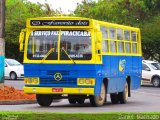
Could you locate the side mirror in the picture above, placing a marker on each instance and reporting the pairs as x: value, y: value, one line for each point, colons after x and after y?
x: 21, y: 40
x: 147, y: 69
x: 21, y: 47
x: 6, y: 65
x: 21, y: 37
x: 99, y: 36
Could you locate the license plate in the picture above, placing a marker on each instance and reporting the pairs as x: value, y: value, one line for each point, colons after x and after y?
x: 57, y: 89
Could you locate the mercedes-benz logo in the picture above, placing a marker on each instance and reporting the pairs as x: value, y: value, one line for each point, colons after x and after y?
x: 58, y: 76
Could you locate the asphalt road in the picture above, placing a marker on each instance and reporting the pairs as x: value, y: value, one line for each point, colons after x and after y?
x: 145, y: 99
x: 18, y: 84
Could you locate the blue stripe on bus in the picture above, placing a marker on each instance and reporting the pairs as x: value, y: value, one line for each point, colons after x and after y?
x: 70, y: 72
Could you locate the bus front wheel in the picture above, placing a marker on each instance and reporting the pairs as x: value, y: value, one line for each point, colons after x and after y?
x: 98, y: 101
x: 123, y: 96
x: 44, y: 100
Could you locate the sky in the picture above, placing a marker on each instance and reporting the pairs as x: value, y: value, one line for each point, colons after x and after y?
x: 65, y: 5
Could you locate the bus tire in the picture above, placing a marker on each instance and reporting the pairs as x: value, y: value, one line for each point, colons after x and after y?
x: 44, y: 100
x: 72, y: 100
x: 98, y: 101
x: 80, y: 101
x: 123, y: 96
x: 114, y: 98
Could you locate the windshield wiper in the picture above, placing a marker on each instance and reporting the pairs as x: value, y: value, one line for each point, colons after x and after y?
x: 49, y: 52
x: 68, y: 55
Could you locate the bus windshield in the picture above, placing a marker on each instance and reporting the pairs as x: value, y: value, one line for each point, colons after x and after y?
x: 74, y: 44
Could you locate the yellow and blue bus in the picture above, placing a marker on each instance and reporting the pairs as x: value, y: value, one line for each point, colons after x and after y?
x: 79, y: 58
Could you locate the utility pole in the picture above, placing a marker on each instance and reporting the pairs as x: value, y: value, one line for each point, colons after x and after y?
x: 2, y: 42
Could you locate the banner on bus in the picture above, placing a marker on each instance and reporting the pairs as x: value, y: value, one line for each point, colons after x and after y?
x: 59, y: 22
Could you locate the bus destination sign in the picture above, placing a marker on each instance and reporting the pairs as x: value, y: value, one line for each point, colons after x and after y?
x: 59, y: 22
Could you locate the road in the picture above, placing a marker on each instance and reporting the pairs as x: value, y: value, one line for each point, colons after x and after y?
x: 18, y: 84
x: 146, y: 99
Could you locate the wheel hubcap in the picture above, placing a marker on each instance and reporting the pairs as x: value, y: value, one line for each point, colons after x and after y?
x: 100, y: 99
x: 12, y: 76
x: 156, y: 82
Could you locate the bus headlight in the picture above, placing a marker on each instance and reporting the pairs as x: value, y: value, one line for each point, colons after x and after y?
x: 86, y: 81
x: 31, y: 81
x: 81, y: 81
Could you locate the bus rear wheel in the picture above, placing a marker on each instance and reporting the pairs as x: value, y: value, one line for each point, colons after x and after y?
x: 44, y: 100
x: 114, y: 98
x: 123, y: 96
x: 80, y: 101
x: 72, y: 100
x: 98, y: 101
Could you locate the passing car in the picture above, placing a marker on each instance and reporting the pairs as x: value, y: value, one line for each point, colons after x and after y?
x: 151, y: 72
x: 13, y: 69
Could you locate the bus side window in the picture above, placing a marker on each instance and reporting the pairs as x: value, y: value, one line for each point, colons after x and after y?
x: 128, y: 47
x: 121, y: 47
x: 127, y: 43
x: 112, y: 33
x: 105, y: 46
x: 134, y: 42
x: 127, y: 35
x: 138, y: 44
x: 104, y: 32
x: 134, y: 36
x: 134, y: 47
x: 119, y: 34
x: 113, y: 46
x: 120, y: 37
x: 112, y: 37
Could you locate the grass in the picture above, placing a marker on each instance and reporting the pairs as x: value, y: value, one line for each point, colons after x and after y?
x: 77, y: 116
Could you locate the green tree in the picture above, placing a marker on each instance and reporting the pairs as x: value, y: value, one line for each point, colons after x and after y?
x: 119, y: 11
x: 138, y: 13
x: 17, y: 11
x: 151, y: 39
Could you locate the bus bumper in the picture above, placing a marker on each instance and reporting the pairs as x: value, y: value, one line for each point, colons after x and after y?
x: 58, y: 90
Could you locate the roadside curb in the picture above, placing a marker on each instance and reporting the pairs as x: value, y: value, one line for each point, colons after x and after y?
x: 17, y: 102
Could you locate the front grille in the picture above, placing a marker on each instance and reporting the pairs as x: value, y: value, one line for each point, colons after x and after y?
x: 52, y: 72
x: 68, y: 78
x: 64, y: 81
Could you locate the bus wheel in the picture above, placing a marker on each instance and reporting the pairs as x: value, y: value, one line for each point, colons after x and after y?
x: 123, y: 96
x: 80, y: 100
x: 114, y: 98
x: 99, y: 100
x: 72, y: 100
x: 44, y: 100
